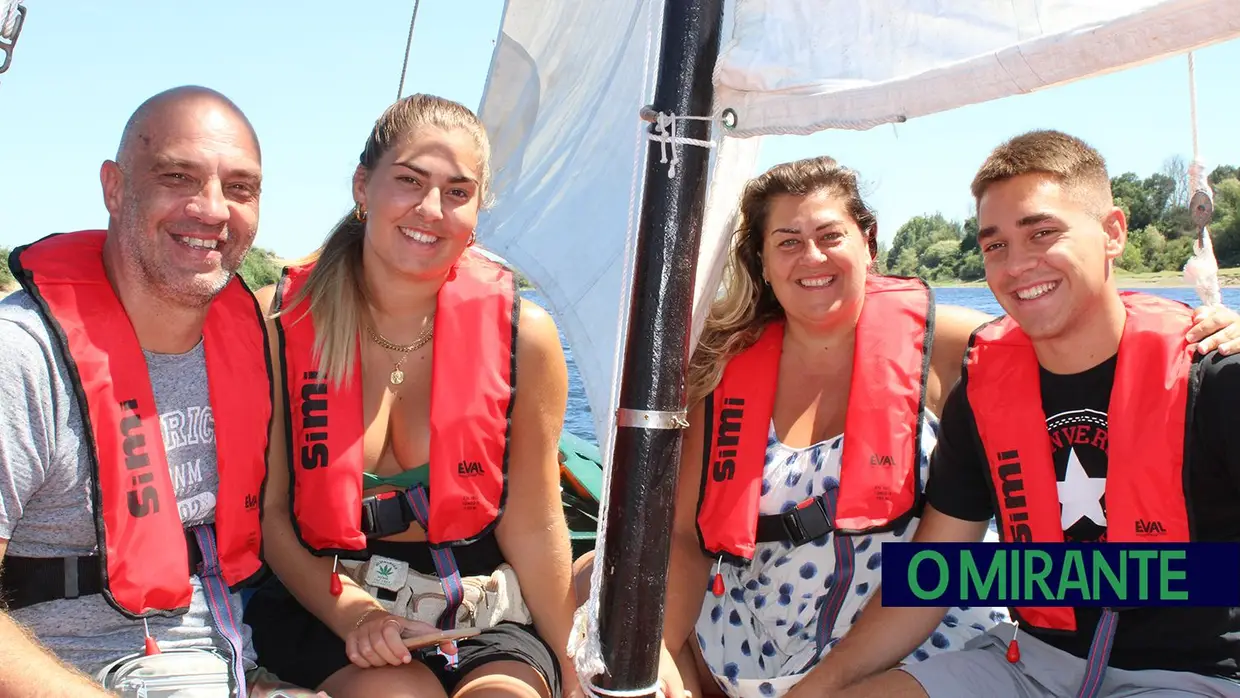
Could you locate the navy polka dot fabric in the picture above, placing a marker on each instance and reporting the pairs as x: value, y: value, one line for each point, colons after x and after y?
x: 766, y: 629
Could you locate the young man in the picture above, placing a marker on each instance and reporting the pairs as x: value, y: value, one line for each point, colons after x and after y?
x: 126, y: 525
x: 1083, y: 415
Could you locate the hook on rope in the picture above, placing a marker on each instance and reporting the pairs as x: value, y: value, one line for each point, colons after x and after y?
x: 665, y: 132
x: 1201, y: 269
x: 10, y: 29
x: 1201, y: 211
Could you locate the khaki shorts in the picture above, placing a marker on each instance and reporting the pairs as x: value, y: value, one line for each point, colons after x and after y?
x: 191, y: 674
x: 981, y: 668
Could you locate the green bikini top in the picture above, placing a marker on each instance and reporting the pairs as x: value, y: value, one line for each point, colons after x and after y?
x: 405, y: 479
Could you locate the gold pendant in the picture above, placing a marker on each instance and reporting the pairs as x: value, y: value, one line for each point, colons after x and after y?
x: 398, y: 377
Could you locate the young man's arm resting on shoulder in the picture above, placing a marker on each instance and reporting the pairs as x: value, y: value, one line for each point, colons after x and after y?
x: 958, y: 509
x: 27, y: 670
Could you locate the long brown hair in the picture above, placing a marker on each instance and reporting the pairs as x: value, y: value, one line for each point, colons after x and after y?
x: 747, y: 303
x: 335, y: 289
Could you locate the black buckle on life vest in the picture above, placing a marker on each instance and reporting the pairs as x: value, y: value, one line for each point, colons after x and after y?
x: 808, y: 522
x: 386, y: 514
x: 27, y: 581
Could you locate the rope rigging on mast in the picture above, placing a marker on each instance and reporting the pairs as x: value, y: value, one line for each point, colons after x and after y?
x: 408, y: 44
x: 1202, y: 268
x: 12, y: 17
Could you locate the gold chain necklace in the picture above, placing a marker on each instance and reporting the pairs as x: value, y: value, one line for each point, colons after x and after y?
x: 398, y: 376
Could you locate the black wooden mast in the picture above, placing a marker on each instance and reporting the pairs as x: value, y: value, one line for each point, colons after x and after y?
x: 652, y: 396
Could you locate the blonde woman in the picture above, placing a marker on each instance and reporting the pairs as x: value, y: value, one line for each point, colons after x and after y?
x: 414, y: 486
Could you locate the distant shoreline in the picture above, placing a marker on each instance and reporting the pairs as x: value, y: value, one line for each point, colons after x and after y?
x: 1228, y: 278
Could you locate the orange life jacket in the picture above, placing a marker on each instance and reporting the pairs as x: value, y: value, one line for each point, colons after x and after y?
x: 1146, y: 422
x: 473, y: 383
x: 142, y: 543
x: 879, y: 471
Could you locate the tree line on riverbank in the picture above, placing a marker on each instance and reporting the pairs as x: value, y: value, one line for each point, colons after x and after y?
x: 1160, y: 233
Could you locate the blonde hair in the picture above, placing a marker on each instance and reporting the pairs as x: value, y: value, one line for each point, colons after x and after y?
x: 747, y: 304
x: 334, y: 288
x: 1069, y: 160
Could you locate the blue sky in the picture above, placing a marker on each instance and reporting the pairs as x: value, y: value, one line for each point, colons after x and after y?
x: 314, y: 78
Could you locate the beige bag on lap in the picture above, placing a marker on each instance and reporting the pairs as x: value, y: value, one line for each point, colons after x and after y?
x: 488, y: 600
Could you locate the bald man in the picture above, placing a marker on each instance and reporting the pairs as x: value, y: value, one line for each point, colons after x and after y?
x: 135, y: 398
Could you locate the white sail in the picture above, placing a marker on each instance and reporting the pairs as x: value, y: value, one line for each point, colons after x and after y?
x: 561, y: 102
x: 568, y: 79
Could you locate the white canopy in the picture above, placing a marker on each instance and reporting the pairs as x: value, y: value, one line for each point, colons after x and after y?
x: 798, y: 67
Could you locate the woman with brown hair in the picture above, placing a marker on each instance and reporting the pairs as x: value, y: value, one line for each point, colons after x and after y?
x: 814, y: 392
x: 413, y: 496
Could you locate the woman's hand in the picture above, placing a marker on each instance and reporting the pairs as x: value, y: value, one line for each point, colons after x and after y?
x: 671, y: 685
x: 379, y: 639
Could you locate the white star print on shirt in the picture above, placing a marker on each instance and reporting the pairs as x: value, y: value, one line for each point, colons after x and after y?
x: 1080, y: 494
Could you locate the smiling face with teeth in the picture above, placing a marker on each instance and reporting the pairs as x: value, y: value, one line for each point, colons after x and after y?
x: 1048, y: 254
x: 815, y: 257
x: 183, y: 197
x: 421, y: 201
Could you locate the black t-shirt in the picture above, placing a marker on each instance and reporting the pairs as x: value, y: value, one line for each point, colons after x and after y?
x: 1201, y: 640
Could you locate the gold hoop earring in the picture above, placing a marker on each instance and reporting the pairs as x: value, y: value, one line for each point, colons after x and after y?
x: 359, y: 213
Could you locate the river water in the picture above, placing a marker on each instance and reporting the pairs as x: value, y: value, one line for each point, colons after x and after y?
x: 578, y: 420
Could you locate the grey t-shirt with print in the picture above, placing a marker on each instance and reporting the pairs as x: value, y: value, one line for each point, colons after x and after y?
x: 45, y: 503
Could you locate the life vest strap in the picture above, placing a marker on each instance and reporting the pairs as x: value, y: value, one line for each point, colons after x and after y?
x: 1099, y: 654
x: 808, y: 522
x: 27, y: 581
x: 845, y: 568
x: 445, y: 561
x: 216, y: 591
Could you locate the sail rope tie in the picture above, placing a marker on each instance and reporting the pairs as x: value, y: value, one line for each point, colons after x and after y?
x: 666, y: 133
x: 1201, y: 269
